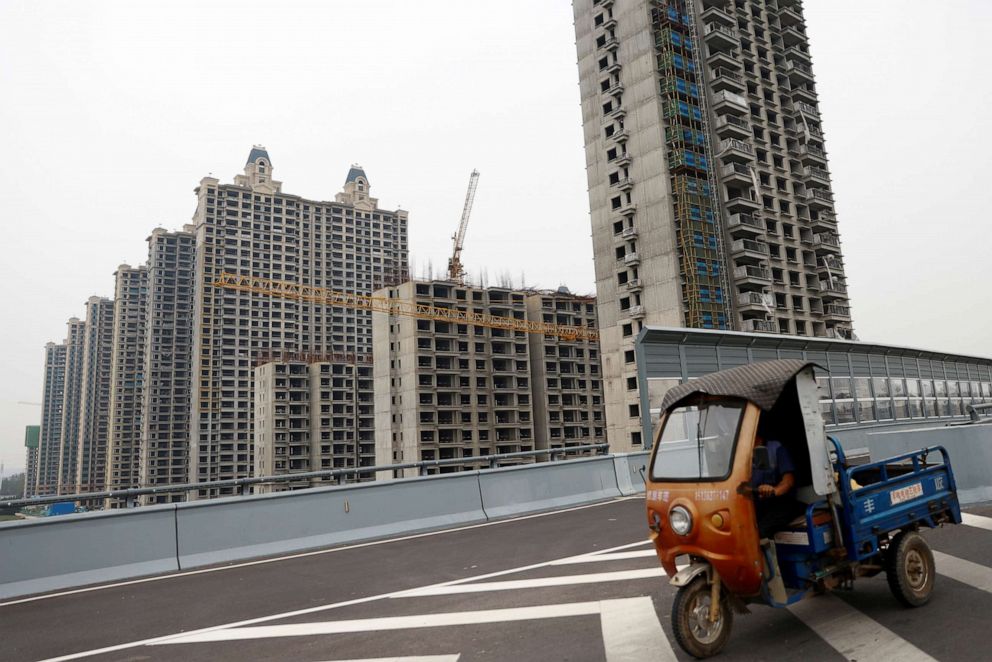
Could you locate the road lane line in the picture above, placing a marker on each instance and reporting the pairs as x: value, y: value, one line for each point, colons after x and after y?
x: 309, y: 610
x: 966, y: 572
x: 417, y: 658
x: 393, y: 623
x: 852, y: 634
x: 597, y: 558
x: 538, y: 582
x: 977, y: 521
x: 632, y: 632
x: 246, y: 564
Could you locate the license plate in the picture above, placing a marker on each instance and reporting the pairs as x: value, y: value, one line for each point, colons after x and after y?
x: 906, y: 493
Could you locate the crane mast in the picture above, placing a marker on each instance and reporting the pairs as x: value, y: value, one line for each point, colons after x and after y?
x: 456, y: 271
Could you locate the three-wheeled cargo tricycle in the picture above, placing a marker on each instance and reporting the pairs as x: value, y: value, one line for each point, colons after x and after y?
x: 734, y: 443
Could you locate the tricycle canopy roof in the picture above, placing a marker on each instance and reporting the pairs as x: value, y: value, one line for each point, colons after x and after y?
x: 761, y: 383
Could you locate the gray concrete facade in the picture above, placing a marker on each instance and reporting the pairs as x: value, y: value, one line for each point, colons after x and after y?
x: 74, y: 350
x: 46, y: 480
x: 94, y: 403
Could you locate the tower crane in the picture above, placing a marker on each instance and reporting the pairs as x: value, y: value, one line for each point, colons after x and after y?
x: 327, y: 297
x: 456, y: 271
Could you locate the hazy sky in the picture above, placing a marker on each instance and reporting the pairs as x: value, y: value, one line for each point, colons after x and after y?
x: 113, y: 111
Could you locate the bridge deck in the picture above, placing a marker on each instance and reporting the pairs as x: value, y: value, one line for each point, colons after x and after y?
x: 579, y: 584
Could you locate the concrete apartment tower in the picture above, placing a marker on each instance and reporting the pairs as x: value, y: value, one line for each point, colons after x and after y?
x: 708, y: 184
x: 49, y: 446
x: 74, y: 350
x: 164, y: 451
x: 313, y: 417
x: 445, y: 390
x: 127, y: 376
x: 253, y: 228
x: 94, y: 402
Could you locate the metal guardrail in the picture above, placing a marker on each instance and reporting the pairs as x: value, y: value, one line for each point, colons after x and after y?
x: 243, y: 483
x: 973, y: 412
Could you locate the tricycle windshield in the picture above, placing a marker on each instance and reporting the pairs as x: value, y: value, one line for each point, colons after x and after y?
x: 697, y: 442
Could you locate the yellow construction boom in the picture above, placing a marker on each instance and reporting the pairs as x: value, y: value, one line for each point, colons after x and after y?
x: 327, y: 297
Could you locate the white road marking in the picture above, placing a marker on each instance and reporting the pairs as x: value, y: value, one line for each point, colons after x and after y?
x: 245, y: 564
x: 393, y: 623
x: 630, y: 626
x: 416, y: 658
x: 977, y: 521
x: 618, y: 556
x: 963, y: 571
x: 632, y: 633
x: 310, y: 610
x: 852, y: 634
x: 538, y: 582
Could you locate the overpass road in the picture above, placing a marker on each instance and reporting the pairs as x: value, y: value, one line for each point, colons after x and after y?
x: 579, y: 584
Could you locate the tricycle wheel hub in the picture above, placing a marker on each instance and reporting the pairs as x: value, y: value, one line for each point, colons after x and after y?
x: 703, y: 630
x: 917, y: 572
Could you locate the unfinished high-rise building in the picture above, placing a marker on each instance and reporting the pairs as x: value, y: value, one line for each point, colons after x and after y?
x: 449, y: 390
x: 50, y: 441
x: 708, y: 183
x: 168, y: 346
x: 74, y: 344
x: 313, y: 417
x: 127, y: 377
x: 253, y: 228
x: 94, y: 402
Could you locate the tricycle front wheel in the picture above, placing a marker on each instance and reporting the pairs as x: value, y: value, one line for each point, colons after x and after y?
x: 910, y: 569
x: 694, y: 632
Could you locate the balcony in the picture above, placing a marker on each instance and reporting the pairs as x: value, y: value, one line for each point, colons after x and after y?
x: 804, y: 93
x: 826, y: 243
x: 816, y: 176
x: 717, y: 16
x: 730, y: 102
x: 798, y: 72
x: 636, y: 312
x: 616, y: 89
x: 624, y: 184
x: 751, y: 302
x: 745, y: 224
x: 752, y: 274
x: 608, y: 24
x: 728, y: 125
x: 749, y: 249
x: 824, y: 223
x: 622, y: 159
x: 759, y: 326
x: 629, y: 233
x: 837, y: 310
x: 726, y: 60
x: 721, y: 36
x: 741, y: 204
x: 619, y: 137
x: 807, y: 109
x: 792, y: 37
x: 832, y: 290
x: 736, y: 173
x: 819, y: 198
x: 794, y: 53
x: 629, y: 260
x: 611, y: 44
x: 732, y: 149
x: 633, y: 285
x: 612, y: 68
x: 727, y: 79
x: 811, y: 153
x: 626, y: 210
x: 787, y: 16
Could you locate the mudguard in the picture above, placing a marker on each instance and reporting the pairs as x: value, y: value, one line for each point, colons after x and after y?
x: 686, y: 575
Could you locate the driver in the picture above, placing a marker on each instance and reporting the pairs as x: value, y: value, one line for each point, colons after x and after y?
x: 774, y: 487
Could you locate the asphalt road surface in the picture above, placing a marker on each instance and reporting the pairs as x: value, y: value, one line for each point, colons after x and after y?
x: 580, y: 584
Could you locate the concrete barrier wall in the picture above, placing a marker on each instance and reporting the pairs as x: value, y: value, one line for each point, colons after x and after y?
x: 631, y: 469
x: 73, y: 550
x: 234, y: 528
x: 534, y: 487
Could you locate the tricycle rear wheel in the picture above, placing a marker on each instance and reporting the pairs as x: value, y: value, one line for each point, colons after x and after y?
x: 910, y: 569
x: 691, y: 620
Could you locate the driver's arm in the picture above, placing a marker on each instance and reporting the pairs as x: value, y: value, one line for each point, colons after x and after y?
x: 787, y: 483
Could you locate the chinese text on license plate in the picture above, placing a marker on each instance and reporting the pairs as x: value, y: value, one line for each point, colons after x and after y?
x: 906, y: 493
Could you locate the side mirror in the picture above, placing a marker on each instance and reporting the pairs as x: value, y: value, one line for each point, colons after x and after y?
x: 761, y: 459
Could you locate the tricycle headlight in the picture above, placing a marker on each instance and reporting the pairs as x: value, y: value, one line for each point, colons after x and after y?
x: 680, y: 520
